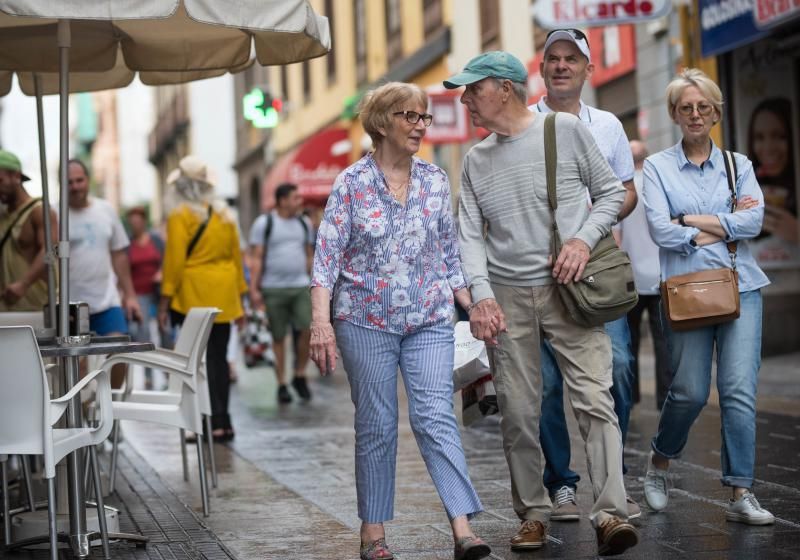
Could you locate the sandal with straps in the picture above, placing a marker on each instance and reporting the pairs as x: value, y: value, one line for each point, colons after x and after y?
x: 376, y: 550
x: 470, y: 548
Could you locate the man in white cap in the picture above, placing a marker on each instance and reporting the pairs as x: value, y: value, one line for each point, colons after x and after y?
x: 566, y: 66
x: 22, y: 264
x: 505, y: 226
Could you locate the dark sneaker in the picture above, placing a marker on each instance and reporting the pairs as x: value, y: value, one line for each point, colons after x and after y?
x: 299, y: 384
x: 615, y: 536
x: 531, y: 534
x: 565, y: 507
x: 283, y: 395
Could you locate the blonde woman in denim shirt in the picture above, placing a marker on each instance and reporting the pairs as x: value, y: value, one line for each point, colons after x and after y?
x: 387, y: 255
x: 688, y: 206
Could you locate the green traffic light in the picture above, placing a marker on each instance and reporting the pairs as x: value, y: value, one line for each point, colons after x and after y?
x: 257, y: 107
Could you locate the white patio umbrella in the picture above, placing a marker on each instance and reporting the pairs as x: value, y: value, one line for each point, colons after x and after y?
x: 162, y: 40
x: 166, y: 41
x: 47, y: 83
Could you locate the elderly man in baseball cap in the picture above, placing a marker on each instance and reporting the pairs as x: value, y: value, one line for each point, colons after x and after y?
x: 512, y: 279
x: 22, y: 247
x: 566, y: 66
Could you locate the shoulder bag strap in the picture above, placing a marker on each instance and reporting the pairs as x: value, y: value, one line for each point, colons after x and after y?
x: 15, y: 221
x: 732, y: 174
x: 199, y: 233
x: 550, y: 164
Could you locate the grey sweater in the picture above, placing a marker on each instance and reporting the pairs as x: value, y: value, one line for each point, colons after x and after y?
x: 504, y: 190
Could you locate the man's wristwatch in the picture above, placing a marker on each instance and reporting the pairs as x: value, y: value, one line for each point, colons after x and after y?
x: 682, y: 219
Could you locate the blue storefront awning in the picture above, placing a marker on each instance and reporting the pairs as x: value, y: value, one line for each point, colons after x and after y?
x: 726, y: 24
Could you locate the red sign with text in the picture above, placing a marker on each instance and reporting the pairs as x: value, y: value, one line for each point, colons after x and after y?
x: 586, y: 13
x: 767, y: 13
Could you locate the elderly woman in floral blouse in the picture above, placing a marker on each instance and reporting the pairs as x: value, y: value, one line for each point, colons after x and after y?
x: 387, y: 254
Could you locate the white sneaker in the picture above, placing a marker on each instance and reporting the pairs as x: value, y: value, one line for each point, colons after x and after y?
x: 747, y: 510
x: 656, y: 488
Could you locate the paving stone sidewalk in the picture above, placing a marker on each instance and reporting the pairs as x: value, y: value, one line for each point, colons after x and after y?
x: 286, y: 488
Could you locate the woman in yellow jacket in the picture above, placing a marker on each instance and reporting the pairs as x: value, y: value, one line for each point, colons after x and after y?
x: 202, y: 267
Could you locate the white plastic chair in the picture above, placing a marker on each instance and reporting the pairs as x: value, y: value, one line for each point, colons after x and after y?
x: 34, y: 319
x: 27, y: 417
x: 186, y: 399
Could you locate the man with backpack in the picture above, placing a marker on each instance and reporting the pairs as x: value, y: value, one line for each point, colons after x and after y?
x: 281, y: 245
x: 22, y: 247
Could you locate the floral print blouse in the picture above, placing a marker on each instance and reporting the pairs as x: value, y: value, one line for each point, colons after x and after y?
x: 389, y: 267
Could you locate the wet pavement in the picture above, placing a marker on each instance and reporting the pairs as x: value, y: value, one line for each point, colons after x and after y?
x: 287, y: 490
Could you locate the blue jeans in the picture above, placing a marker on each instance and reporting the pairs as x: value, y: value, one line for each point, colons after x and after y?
x: 553, y: 433
x: 738, y: 354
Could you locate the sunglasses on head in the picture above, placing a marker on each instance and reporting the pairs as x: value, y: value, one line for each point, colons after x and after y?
x: 577, y: 34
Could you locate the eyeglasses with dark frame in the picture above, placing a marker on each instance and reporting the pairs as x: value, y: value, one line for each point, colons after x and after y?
x: 703, y: 109
x: 577, y: 34
x: 412, y: 117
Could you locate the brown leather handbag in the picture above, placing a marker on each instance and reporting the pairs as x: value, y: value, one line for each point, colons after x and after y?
x: 708, y: 297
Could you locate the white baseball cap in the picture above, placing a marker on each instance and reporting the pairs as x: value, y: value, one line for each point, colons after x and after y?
x: 575, y: 36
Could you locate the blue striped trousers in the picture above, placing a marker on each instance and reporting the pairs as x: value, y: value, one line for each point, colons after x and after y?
x: 425, y: 357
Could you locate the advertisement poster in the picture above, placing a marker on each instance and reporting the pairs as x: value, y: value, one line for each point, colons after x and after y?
x: 766, y: 109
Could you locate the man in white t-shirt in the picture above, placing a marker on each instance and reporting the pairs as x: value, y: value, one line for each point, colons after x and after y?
x: 636, y: 241
x: 565, y: 68
x: 281, y: 245
x: 98, y: 265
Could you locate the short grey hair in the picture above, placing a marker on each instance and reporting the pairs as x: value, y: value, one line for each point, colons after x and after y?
x: 520, y: 89
x: 693, y: 77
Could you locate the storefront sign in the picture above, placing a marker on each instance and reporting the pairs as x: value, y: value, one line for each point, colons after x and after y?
x: 589, y: 13
x: 726, y: 24
x: 768, y: 13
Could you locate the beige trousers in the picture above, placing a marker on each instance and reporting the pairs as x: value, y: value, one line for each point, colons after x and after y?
x: 584, y: 357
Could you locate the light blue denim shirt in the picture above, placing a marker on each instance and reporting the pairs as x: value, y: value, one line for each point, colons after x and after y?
x: 674, y: 185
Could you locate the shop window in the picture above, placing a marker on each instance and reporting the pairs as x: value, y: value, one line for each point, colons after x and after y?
x: 490, y: 24
x: 432, y: 16
x: 394, y: 35
x: 360, y: 26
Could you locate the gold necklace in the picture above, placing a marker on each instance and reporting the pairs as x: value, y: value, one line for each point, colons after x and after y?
x: 401, y: 191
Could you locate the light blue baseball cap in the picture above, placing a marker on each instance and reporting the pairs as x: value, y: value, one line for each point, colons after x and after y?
x: 492, y: 64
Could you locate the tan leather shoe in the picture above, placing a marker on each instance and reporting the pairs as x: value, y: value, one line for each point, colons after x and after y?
x: 615, y: 536
x: 531, y: 534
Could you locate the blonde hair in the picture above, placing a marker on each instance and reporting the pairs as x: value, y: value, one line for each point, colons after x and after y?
x: 377, y: 106
x: 693, y: 77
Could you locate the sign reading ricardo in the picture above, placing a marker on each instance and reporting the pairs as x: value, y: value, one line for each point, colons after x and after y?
x: 588, y: 13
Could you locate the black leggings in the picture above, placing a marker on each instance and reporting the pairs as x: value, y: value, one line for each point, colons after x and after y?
x: 219, y: 381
